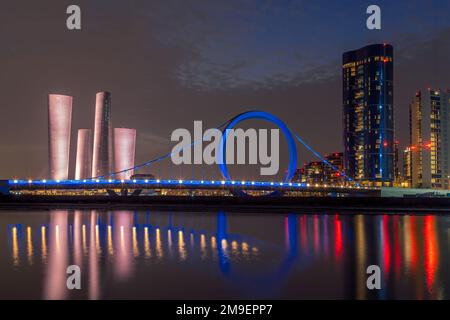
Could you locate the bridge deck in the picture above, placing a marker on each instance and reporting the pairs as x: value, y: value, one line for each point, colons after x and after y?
x: 31, y: 185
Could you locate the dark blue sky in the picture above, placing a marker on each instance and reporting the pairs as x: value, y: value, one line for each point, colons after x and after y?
x: 168, y: 63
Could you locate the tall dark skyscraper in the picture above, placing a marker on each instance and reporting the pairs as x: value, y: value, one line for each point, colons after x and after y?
x: 368, y: 117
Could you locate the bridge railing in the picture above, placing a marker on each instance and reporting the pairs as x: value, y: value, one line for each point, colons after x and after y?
x: 97, y: 184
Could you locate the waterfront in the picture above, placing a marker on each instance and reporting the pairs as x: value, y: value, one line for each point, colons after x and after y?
x: 222, y: 255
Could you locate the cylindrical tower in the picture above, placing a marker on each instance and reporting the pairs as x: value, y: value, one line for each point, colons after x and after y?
x: 59, y: 126
x: 84, y: 154
x: 124, y: 151
x: 102, y: 155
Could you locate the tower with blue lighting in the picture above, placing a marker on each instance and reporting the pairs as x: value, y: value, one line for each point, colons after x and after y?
x: 368, y: 114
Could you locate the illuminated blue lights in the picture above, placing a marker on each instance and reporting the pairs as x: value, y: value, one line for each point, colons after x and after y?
x: 112, y: 183
x: 221, y: 155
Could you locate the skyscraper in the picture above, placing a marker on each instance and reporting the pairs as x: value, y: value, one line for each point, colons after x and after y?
x: 102, y: 155
x: 84, y: 154
x: 59, y: 126
x: 124, y: 151
x: 407, y: 168
x: 415, y: 142
x: 368, y: 114
x: 333, y: 177
x: 429, y: 139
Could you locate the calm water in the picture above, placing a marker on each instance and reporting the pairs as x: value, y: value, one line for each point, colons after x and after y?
x: 163, y: 255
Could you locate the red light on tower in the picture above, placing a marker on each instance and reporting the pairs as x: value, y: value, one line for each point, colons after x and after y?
x: 385, y: 144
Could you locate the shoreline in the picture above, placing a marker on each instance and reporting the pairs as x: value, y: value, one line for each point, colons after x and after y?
x: 242, y: 204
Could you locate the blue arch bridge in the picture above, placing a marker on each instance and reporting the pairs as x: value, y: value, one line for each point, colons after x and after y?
x: 286, y: 186
x: 135, y: 187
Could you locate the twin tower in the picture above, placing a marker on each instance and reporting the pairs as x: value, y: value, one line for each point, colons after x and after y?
x: 98, y: 154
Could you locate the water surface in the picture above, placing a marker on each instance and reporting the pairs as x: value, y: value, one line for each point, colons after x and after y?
x: 222, y: 255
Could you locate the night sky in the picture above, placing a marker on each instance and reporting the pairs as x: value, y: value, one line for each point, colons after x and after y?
x: 168, y: 63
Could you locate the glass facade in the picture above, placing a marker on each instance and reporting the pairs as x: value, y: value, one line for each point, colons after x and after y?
x: 368, y: 115
x: 429, y: 139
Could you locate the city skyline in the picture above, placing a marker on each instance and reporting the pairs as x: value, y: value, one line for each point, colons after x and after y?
x: 199, y: 151
x: 113, y: 149
x: 368, y: 114
x: 152, y: 83
x: 371, y: 150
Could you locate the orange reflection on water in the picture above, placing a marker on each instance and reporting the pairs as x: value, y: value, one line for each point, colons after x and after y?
x: 146, y: 243
x: 203, y: 246
x: 181, y: 246
x: 159, y: 252
x: 15, y: 247
x: 110, y: 242
x: 135, y: 243
x: 29, y: 246
x: 43, y: 245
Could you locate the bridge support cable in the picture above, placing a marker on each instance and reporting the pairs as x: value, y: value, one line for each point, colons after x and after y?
x: 158, y: 159
x: 190, y: 145
x: 318, y: 155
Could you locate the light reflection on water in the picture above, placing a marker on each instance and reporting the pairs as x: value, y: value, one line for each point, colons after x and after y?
x: 128, y: 254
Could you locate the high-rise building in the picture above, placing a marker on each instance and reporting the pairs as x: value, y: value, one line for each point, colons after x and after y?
x: 323, y: 173
x: 124, y: 151
x: 84, y: 154
x: 415, y: 142
x: 429, y: 139
x: 59, y: 126
x: 407, y: 169
x: 102, y: 154
x: 368, y: 114
x: 313, y: 173
x: 397, y: 174
x: 333, y: 172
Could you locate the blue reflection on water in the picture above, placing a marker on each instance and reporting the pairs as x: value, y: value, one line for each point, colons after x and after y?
x: 251, y: 256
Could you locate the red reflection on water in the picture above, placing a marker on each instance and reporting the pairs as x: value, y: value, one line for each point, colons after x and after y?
x: 397, y: 254
x: 386, y: 246
x: 431, y: 251
x: 325, y: 236
x: 337, y: 237
x: 412, y: 230
x: 316, y: 234
x: 303, y: 233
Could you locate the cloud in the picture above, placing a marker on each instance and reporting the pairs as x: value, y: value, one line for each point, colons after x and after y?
x: 268, y: 44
